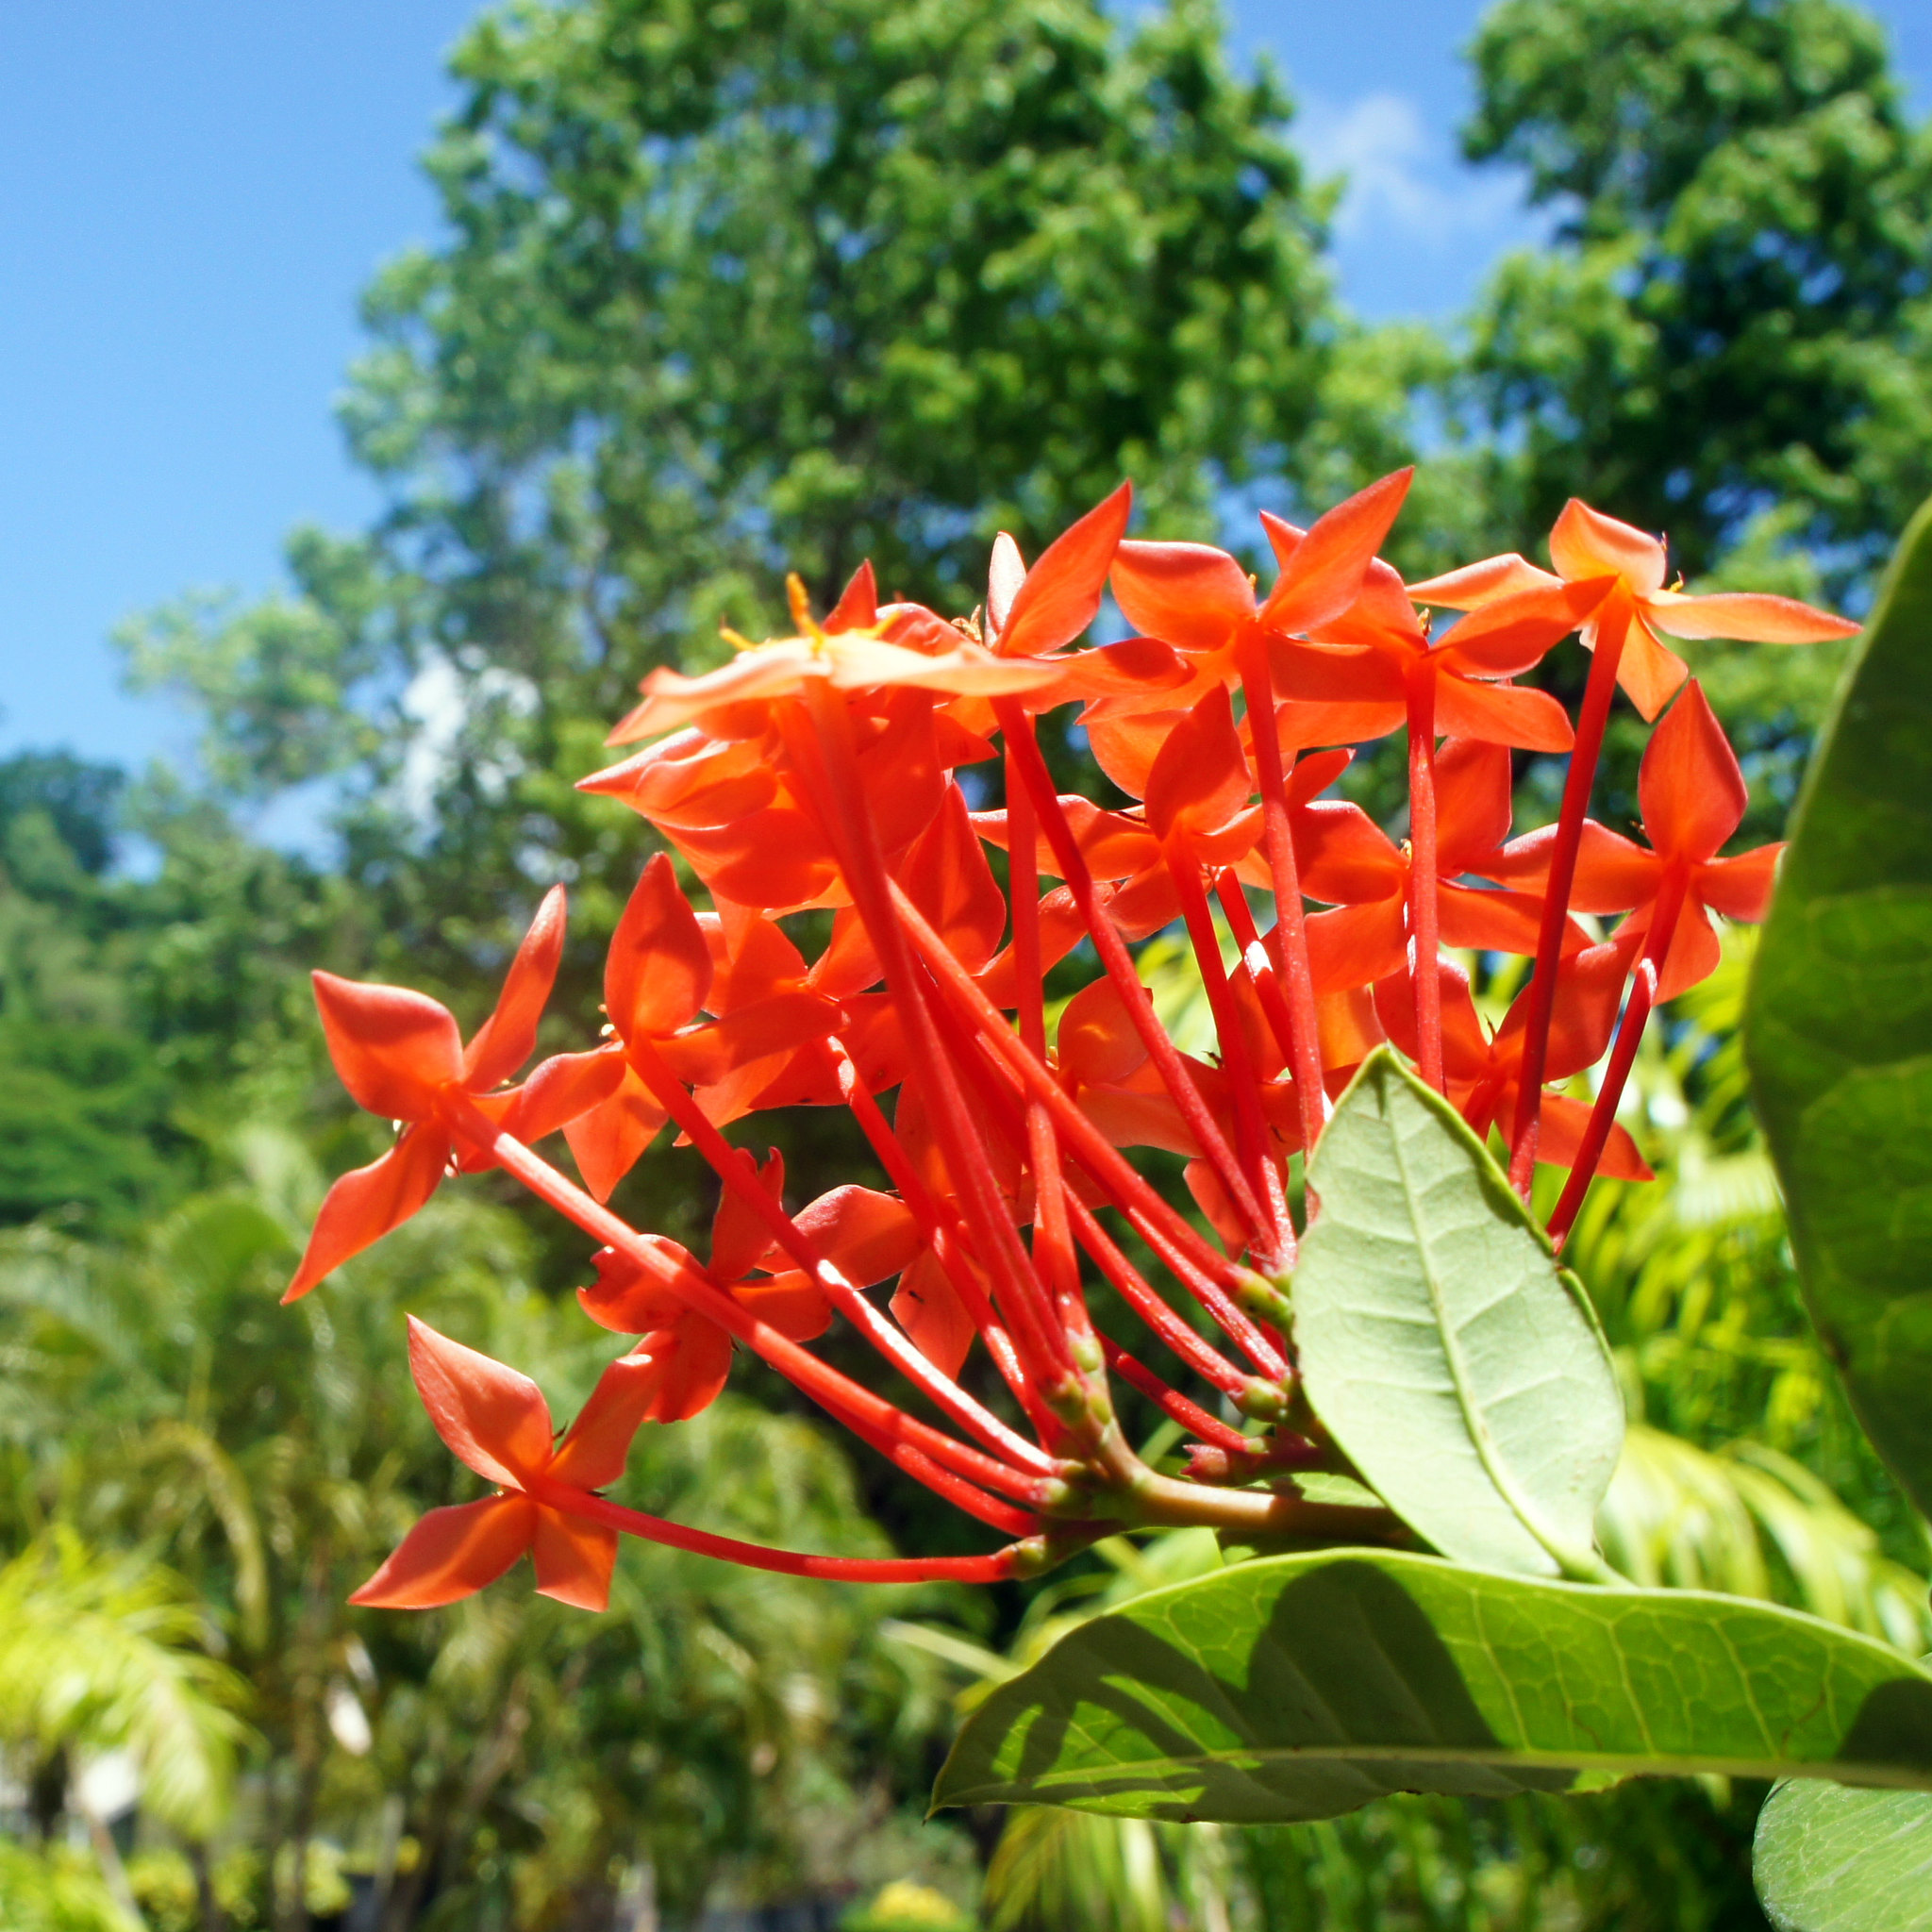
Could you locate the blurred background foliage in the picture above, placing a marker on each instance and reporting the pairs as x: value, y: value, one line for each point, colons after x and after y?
x: 728, y: 286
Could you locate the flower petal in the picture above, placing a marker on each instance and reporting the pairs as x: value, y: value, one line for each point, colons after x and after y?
x: 606, y: 1141
x: 1187, y: 594
x: 1739, y: 888
x: 1689, y: 788
x: 740, y: 1235
x: 867, y: 1236
x: 1510, y: 634
x: 1199, y: 779
x: 509, y: 1037
x: 1477, y: 584
x: 858, y: 608
x: 452, y: 1554
x: 593, y: 1453
x: 1060, y: 595
x: 1561, y: 1121
x: 1748, y: 617
x: 1650, y: 672
x: 1473, y: 804
x: 927, y: 1306
x: 659, y: 968
x: 393, y: 1047
x: 561, y: 1089
x: 1323, y: 574
x: 1356, y: 945
x: 575, y: 1559
x: 367, y: 1202
x: 1586, y: 543
x: 1502, y: 714
x: 494, y: 1417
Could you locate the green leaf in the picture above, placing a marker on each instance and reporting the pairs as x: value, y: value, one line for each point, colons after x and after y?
x: 1439, y: 1343
x: 1839, y: 1024
x: 1828, y: 1859
x: 1302, y: 1686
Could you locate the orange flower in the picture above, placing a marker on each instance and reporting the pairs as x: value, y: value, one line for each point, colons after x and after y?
x: 857, y: 648
x: 497, y: 1421
x: 399, y: 1056
x: 1586, y: 546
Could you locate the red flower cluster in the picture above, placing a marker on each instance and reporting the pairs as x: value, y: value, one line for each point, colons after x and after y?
x: 817, y: 774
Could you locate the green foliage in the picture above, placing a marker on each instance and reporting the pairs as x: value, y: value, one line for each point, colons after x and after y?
x: 56, y: 1890
x: 1301, y: 1687
x: 106, y: 1652
x: 1423, y: 1293
x: 1832, y: 1861
x: 154, y: 1396
x: 1731, y: 319
x: 1840, y: 1027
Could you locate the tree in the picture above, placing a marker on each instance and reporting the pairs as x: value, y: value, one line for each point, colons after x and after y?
x: 733, y: 290
x: 1729, y: 329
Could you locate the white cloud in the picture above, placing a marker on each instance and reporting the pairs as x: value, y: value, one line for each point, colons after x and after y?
x: 1417, y: 226
x: 445, y: 704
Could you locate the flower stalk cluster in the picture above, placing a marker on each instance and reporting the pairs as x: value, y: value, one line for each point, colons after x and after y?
x: 820, y: 774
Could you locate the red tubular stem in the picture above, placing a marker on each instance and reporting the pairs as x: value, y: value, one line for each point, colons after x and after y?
x: 1119, y: 963
x: 1191, y: 1415
x: 1131, y: 1284
x: 1241, y: 919
x: 851, y: 1402
x: 991, y: 1567
x: 1017, y: 1289
x: 734, y: 1168
x: 1244, y: 1087
x: 943, y: 1230
x: 1156, y: 1229
x: 1424, y: 913
x: 1637, y: 1011
x: 1613, y: 626
x: 1304, y: 1041
x: 1127, y: 1186
x: 1134, y: 1290
x: 1053, y: 1245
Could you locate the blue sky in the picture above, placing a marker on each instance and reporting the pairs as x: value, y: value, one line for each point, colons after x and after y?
x: 191, y: 198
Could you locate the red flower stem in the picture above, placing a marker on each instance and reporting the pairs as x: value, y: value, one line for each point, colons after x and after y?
x: 1304, y: 1043
x: 851, y: 1402
x: 1246, y: 1334
x: 1154, y: 1310
x: 1053, y: 1245
x: 1017, y: 1290
x: 1637, y: 1011
x: 1127, y: 1280
x: 1260, y: 971
x: 1038, y: 1340
x: 1250, y: 1129
x: 734, y: 1167
x: 944, y: 1484
x: 945, y: 1233
x: 1191, y: 1415
x: 1119, y: 963
x: 1134, y: 1289
x: 1164, y: 1229
x: 1613, y: 627
x: 1425, y: 912
x: 1016, y: 1559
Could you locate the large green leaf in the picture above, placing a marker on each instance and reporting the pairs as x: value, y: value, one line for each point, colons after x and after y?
x: 1301, y: 1687
x: 1839, y: 1024
x: 1828, y: 1859
x: 1439, y: 1344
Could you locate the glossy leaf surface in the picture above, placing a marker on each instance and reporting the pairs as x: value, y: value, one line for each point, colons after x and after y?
x: 1302, y: 1686
x: 1830, y: 1859
x: 1838, y: 1027
x: 1440, y: 1342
